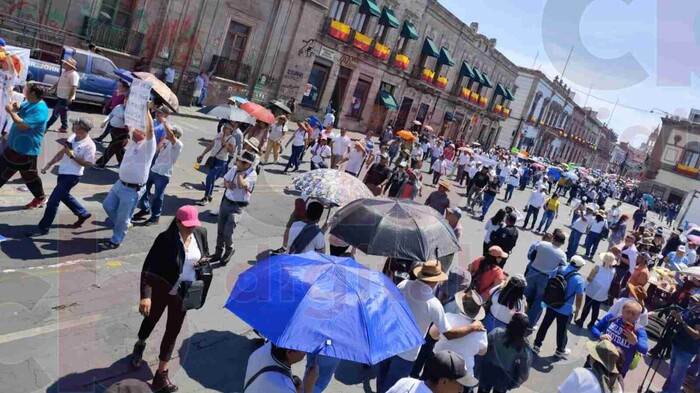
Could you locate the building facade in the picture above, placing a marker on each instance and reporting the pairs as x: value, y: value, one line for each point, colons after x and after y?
x: 674, y: 162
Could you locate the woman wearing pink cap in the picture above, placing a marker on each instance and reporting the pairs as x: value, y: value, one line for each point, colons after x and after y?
x: 168, y: 271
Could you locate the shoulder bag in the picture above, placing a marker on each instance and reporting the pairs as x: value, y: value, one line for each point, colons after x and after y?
x: 211, y: 159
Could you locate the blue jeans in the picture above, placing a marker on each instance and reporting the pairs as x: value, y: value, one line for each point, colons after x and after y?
x: 156, y: 208
x: 212, y: 174
x: 488, y: 200
x: 574, y: 241
x: 59, y: 110
x: 546, y: 220
x: 574, y: 217
x: 61, y: 193
x: 202, y: 97
x: 509, y: 192
x: 534, y: 291
x: 391, y: 370
x: 326, y: 369
x: 534, y: 212
x: 680, y: 360
x: 295, y: 158
x: 592, y: 240
x: 119, y: 206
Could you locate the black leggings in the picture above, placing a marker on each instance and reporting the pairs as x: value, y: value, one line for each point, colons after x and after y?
x: 588, y: 306
x: 12, y: 162
x: 160, y: 300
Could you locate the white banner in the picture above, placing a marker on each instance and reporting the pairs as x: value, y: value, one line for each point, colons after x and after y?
x: 136, y: 107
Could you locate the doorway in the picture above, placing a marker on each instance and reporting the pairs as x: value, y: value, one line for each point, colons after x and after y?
x: 402, y: 116
x: 422, y: 113
x: 341, y: 86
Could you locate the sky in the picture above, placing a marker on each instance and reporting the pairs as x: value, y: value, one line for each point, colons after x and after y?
x: 634, y: 51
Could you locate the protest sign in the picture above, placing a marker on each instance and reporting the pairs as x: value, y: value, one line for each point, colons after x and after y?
x: 136, y: 107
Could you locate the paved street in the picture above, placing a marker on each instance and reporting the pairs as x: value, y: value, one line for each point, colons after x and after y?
x: 69, y: 316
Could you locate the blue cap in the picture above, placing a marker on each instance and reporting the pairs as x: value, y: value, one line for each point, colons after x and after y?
x: 2, y: 42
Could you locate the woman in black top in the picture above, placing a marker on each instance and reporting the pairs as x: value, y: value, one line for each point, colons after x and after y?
x: 169, y: 266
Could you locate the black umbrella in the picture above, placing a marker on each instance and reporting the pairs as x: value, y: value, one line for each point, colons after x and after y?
x: 396, y: 228
x: 281, y: 105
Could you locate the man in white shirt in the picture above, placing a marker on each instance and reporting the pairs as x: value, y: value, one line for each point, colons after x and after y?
x: 305, y: 236
x: 534, y: 204
x: 161, y: 171
x: 444, y: 373
x: 329, y: 119
x: 340, y: 148
x: 426, y: 309
x: 240, y: 182
x: 275, y: 138
x: 578, y: 228
x: 169, y: 75
x: 269, y: 370
x: 66, y: 87
x: 77, y: 154
x: 469, y: 308
x: 354, y: 159
x: 133, y: 175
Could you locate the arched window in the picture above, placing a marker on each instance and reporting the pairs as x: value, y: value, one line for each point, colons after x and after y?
x: 691, y: 155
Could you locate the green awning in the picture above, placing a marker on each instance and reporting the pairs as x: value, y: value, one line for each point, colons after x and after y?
x: 501, y: 91
x: 476, y: 77
x: 369, y: 7
x: 388, y: 100
x: 466, y: 70
x: 509, y: 95
x: 388, y: 18
x: 485, y: 80
x: 409, y: 31
x: 429, y: 48
x: 356, y: 2
x: 446, y: 57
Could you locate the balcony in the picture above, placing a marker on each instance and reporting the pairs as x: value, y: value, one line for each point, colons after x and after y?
x: 112, y: 37
x: 381, y: 52
x: 688, y: 171
x: 465, y: 93
x: 339, y: 30
x: 361, y: 41
x: 401, y: 61
x: 427, y: 75
x: 230, y: 69
x: 441, y: 82
x: 501, y: 111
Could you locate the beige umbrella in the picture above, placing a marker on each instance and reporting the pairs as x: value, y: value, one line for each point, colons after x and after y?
x: 161, y: 89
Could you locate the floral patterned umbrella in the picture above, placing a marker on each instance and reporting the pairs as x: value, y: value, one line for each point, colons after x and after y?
x: 331, y: 187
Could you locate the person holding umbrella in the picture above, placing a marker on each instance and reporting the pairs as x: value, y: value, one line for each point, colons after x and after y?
x: 170, y: 264
x: 269, y: 370
x: 444, y: 372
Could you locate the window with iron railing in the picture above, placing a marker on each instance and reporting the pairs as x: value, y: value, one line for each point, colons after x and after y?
x: 116, y: 12
x: 230, y: 69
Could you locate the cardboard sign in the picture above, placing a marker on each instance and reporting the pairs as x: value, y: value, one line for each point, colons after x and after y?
x: 136, y: 107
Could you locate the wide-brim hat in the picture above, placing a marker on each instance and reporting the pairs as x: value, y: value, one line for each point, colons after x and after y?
x: 70, y: 63
x: 601, y: 213
x: 254, y: 143
x: 471, y: 304
x: 638, y: 292
x: 444, y: 183
x: 605, y: 353
x: 496, y: 251
x: 248, y: 157
x: 430, y: 271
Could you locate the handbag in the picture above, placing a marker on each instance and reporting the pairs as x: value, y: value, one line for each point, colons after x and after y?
x: 210, y: 162
x: 194, y: 294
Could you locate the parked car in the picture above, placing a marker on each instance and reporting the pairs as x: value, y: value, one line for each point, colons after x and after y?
x: 97, y: 74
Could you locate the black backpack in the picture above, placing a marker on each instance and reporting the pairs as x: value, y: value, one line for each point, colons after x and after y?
x: 555, y: 291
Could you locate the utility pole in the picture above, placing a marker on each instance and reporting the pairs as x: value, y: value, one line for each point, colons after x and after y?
x: 613, y: 111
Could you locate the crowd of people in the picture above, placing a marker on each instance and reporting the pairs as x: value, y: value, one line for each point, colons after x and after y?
x: 477, y: 332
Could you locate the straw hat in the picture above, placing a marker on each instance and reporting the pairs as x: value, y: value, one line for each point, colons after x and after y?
x: 70, y: 63
x: 471, y: 304
x: 605, y: 353
x: 430, y: 271
x: 638, y: 292
x: 496, y: 251
x: 254, y: 143
x: 444, y: 183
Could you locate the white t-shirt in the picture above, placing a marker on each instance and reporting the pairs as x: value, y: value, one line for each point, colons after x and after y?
x: 500, y: 311
x: 354, y: 163
x: 340, y: 145
x: 241, y: 194
x: 426, y: 309
x: 299, y: 136
x: 319, y: 242
x: 321, y: 153
x: 581, y: 225
x: 582, y: 380
x: 466, y: 347
x: 329, y: 119
x: 66, y: 81
x: 192, y: 256
x: 597, y: 227
x: 85, y: 150
x: 514, y: 180
x: 270, y: 381
x: 167, y: 157
x: 219, y: 146
x: 277, y: 132
x: 116, y: 116
x: 439, y: 166
x: 409, y: 385
x: 137, y: 161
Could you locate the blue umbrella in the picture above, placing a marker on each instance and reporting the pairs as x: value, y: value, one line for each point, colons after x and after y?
x: 313, y: 121
x: 303, y: 301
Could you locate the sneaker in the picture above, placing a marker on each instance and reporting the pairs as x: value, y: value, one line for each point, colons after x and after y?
x: 203, y: 202
x: 161, y: 383
x: 108, y: 246
x: 141, y: 214
x: 36, y: 203
x: 562, y: 355
x: 81, y: 221
x: 536, y: 349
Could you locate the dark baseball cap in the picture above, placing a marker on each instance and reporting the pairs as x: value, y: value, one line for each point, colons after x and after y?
x: 448, y: 365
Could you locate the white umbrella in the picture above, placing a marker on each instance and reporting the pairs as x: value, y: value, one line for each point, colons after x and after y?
x: 571, y: 175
